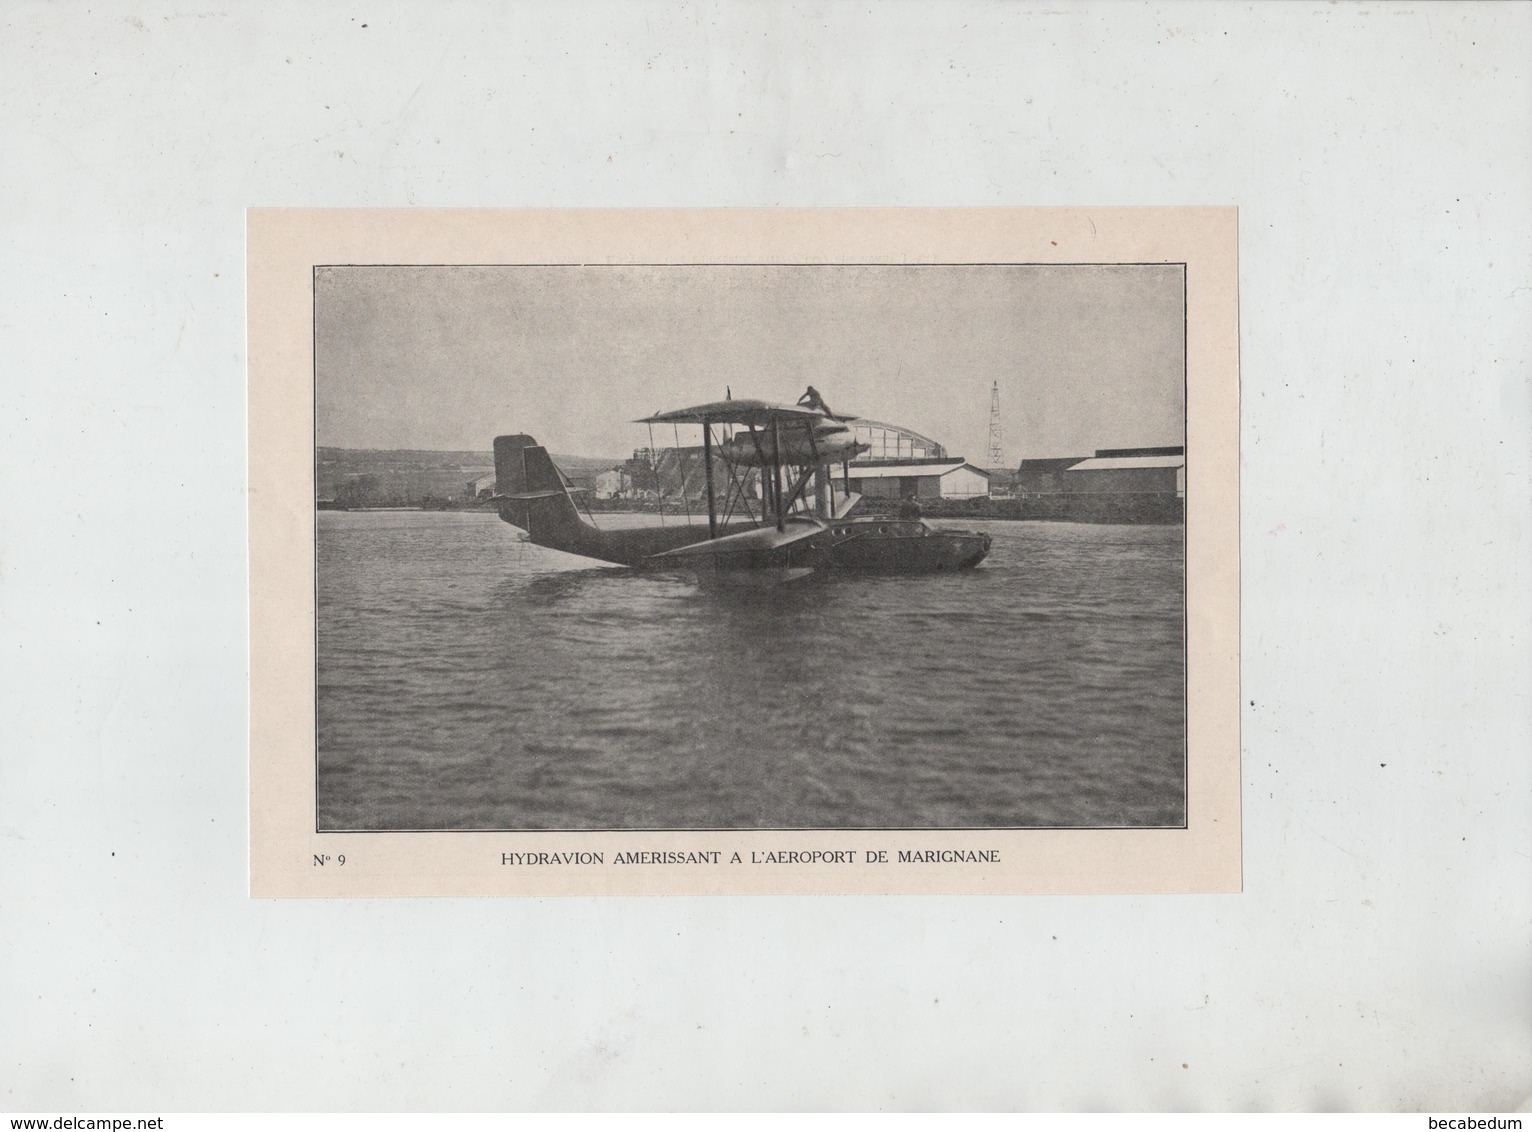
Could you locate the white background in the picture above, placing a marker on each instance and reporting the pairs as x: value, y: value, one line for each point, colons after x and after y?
x: 1380, y: 956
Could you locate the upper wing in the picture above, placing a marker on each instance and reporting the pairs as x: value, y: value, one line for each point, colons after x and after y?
x: 742, y: 412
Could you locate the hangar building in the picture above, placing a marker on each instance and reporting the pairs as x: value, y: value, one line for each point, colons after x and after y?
x: 940, y: 478
x: 903, y: 464
x: 1117, y: 471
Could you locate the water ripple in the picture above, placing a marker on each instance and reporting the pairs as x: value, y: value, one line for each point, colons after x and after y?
x: 471, y: 681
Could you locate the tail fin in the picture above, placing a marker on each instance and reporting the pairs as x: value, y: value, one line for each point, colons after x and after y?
x: 532, y: 494
x: 510, y: 471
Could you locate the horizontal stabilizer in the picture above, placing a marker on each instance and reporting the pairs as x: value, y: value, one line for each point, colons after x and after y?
x: 524, y: 496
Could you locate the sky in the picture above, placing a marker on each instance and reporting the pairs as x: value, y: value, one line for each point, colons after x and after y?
x: 1086, y: 356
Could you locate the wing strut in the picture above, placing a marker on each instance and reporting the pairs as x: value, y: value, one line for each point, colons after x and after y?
x: 707, y: 463
x: 795, y: 487
x: 768, y: 483
x: 776, y: 470
x: 654, y: 470
x: 736, y: 489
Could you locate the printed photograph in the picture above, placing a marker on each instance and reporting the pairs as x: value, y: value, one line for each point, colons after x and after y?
x: 750, y: 546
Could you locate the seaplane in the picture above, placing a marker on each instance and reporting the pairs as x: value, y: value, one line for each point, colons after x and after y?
x: 799, y: 521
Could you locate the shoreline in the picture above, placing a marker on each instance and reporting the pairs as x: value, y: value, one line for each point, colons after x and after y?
x: 1120, y: 510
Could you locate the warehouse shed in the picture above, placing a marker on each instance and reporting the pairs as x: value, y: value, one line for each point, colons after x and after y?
x: 1045, y: 475
x: 1161, y: 475
x: 926, y: 479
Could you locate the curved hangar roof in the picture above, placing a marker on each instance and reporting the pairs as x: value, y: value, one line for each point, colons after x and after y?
x: 895, y: 442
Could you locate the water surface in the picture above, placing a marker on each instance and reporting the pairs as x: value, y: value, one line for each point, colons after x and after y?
x: 469, y: 680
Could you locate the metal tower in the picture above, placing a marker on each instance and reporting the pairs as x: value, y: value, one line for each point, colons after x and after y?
x: 996, y: 448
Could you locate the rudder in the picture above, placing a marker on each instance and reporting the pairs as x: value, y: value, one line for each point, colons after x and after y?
x: 510, y: 470
x: 533, y: 494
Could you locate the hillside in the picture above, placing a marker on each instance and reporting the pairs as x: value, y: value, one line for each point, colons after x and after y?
x: 404, y: 477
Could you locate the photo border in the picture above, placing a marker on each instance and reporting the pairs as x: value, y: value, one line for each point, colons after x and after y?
x: 286, y: 247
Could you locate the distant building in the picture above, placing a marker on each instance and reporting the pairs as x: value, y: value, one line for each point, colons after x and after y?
x: 1122, y: 471
x: 1137, y: 475
x: 613, y: 484
x: 483, y: 487
x: 1112, y: 453
x: 1044, y: 476
x: 673, y: 473
x: 939, y: 478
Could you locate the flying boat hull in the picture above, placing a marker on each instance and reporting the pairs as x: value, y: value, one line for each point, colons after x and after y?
x: 901, y: 546
x: 883, y: 546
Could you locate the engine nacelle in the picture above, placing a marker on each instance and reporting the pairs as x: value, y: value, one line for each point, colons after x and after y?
x: 831, y: 444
